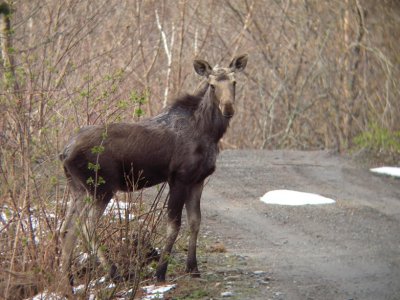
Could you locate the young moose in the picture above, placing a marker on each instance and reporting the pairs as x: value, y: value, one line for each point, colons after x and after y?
x: 178, y: 146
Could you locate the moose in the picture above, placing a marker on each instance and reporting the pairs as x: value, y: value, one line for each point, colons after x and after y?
x: 179, y: 146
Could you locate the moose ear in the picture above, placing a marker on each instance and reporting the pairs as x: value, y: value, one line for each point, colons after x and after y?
x: 238, y: 63
x: 202, y: 67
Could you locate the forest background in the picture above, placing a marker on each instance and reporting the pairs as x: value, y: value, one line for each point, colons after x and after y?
x: 321, y: 75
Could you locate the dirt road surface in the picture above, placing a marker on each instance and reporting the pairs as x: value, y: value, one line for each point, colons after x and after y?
x: 347, y: 250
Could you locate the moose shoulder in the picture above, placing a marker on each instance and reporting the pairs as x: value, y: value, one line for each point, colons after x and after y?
x: 178, y: 146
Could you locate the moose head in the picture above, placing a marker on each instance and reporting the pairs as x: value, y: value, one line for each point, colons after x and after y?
x: 222, y: 82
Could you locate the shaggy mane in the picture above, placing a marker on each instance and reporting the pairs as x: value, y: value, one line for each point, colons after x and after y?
x: 187, y: 101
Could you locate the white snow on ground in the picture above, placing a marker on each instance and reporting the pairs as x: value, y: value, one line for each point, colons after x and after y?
x: 288, y: 197
x: 156, y: 292
x: 8, y: 215
x: 47, y: 296
x: 3, y: 219
x: 151, y: 292
x: 118, y: 208
x: 391, y: 171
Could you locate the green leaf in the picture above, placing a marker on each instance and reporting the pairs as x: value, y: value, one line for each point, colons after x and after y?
x: 98, y: 149
x: 94, y: 167
x: 90, y: 181
x: 139, y: 112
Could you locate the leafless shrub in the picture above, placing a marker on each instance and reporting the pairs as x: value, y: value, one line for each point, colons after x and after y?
x: 129, y: 231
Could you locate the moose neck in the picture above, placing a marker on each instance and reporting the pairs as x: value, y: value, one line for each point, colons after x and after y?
x: 209, y: 117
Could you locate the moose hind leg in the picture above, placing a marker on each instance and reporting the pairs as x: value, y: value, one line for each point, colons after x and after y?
x: 69, y: 234
x: 92, y: 214
x: 194, y: 218
x: 68, y: 244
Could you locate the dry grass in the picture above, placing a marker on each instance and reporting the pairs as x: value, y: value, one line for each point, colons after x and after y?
x: 217, y: 248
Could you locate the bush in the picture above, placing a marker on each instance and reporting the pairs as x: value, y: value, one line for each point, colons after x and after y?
x: 380, y: 142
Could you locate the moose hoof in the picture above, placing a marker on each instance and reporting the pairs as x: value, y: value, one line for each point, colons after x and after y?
x: 114, y: 274
x: 160, y: 279
x: 161, y: 271
x: 195, y: 274
x: 68, y: 285
x: 71, y: 279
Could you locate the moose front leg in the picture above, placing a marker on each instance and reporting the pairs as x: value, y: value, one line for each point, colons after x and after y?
x: 178, y: 192
x: 194, y: 218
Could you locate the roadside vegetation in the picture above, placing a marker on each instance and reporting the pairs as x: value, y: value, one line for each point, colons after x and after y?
x: 321, y: 75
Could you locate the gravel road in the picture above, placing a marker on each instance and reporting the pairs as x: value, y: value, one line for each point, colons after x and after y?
x: 346, y: 250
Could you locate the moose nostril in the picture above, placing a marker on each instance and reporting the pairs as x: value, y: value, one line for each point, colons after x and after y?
x: 228, y: 110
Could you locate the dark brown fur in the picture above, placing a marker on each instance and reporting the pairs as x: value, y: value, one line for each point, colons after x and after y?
x: 178, y: 146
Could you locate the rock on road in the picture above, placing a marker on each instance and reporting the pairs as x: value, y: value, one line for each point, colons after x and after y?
x: 346, y: 250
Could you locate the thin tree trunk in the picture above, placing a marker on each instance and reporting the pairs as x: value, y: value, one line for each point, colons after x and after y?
x: 10, y: 79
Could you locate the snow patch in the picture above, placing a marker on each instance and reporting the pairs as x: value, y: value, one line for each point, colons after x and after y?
x: 156, y: 292
x: 294, y: 198
x: 391, y: 171
x: 78, y: 289
x: 48, y: 296
x: 118, y: 208
x: 151, y: 292
x: 9, y: 215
